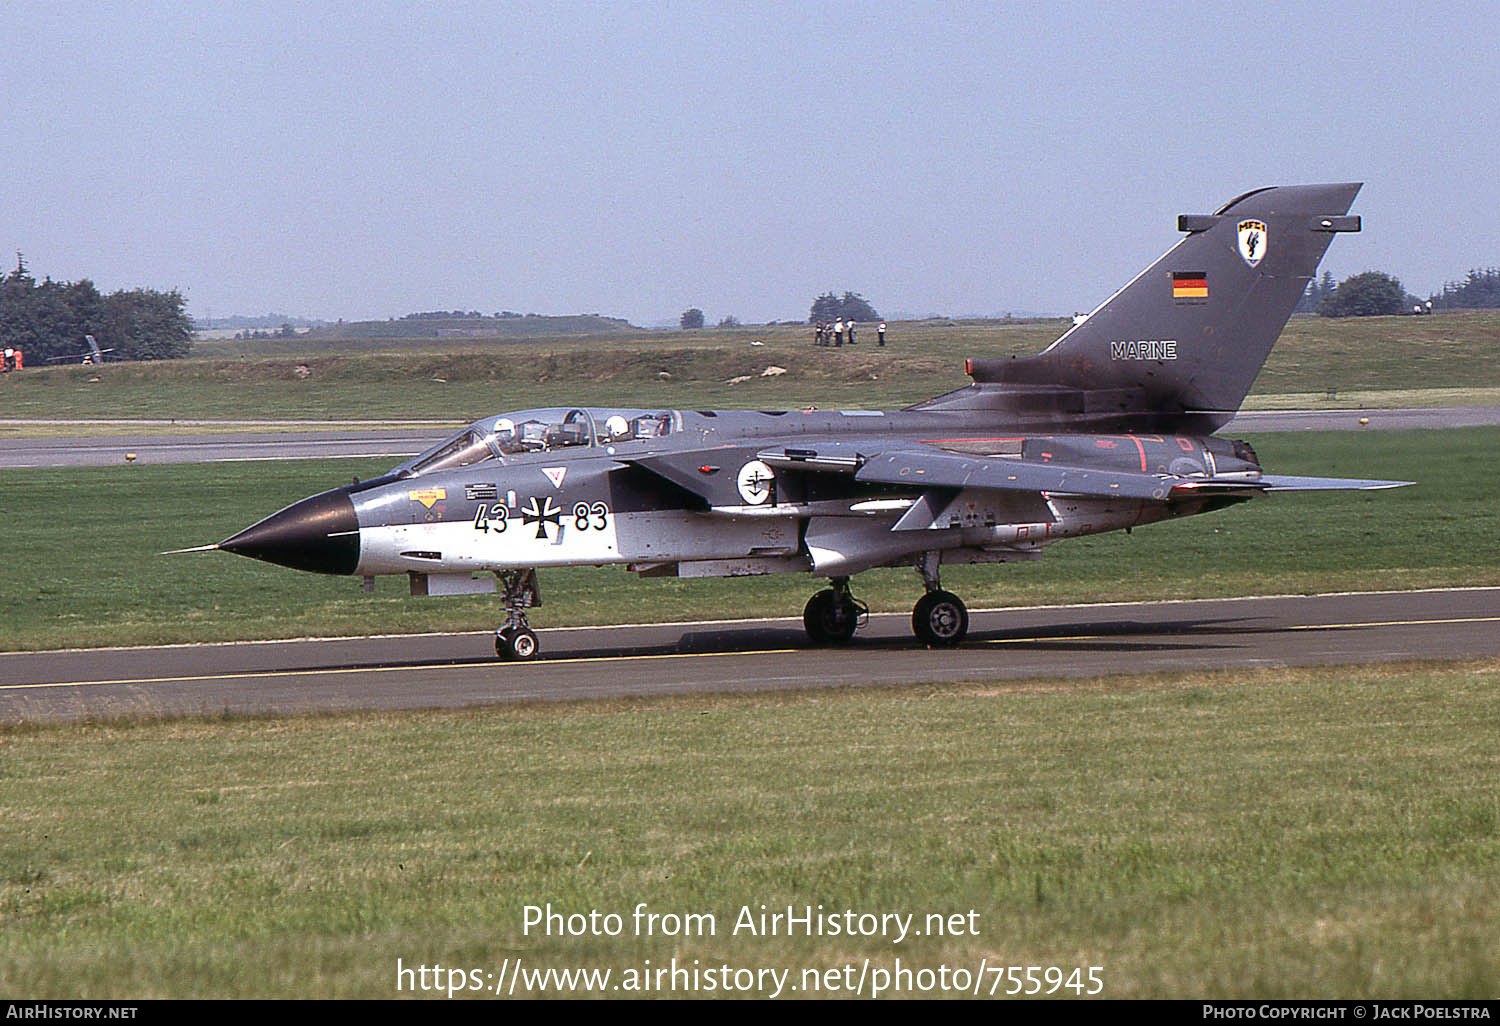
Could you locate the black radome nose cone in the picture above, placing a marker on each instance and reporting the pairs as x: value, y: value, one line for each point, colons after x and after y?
x: 318, y: 534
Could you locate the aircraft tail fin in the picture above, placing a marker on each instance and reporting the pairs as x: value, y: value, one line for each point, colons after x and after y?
x: 1179, y: 346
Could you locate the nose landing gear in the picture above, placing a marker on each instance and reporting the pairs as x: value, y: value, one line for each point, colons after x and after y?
x: 515, y: 641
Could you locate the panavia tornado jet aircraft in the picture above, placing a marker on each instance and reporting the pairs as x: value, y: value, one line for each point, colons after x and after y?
x: 1108, y: 428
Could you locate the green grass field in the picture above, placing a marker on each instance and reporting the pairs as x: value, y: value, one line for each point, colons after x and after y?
x: 464, y: 380
x: 1278, y: 833
x: 1247, y: 834
x: 89, y: 540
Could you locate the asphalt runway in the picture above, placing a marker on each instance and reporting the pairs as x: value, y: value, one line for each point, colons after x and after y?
x: 622, y: 662
x: 393, y: 444
x: 397, y: 444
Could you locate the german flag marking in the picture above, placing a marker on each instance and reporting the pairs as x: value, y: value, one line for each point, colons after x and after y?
x: 1189, y: 284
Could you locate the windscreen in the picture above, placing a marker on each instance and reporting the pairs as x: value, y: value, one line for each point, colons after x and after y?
x: 462, y: 450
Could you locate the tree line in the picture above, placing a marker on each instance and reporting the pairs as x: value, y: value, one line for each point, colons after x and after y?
x: 49, y: 319
x: 852, y: 307
x: 1376, y: 294
x: 1368, y: 294
x: 1478, y: 289
x: 827, y: 308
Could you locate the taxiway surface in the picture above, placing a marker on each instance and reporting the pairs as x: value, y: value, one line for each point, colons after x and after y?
x: 398, y: 444
x: 623, y: 662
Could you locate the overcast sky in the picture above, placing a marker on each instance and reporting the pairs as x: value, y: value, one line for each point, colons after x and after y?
x: 370, y: 159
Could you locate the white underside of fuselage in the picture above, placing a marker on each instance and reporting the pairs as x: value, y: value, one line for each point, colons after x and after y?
x: 825, y: 545
x: 570, y: 540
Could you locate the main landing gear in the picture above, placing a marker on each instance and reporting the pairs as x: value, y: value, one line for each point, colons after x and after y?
x: 939, y: 620
x: 832, y: 615
x: 515, y: 640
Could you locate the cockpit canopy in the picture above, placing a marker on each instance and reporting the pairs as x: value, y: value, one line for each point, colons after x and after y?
x: 544, y: 430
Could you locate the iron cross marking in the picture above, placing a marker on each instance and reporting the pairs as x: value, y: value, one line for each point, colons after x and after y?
x: 541, y: 516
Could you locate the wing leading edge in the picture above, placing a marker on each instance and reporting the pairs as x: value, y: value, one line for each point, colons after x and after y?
x: 923, y: 467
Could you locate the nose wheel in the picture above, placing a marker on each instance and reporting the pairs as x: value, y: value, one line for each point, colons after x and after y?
x: 515, y: 641
x: 516, y: 644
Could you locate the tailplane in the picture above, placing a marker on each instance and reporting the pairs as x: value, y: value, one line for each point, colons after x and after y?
x: 1178, y: 348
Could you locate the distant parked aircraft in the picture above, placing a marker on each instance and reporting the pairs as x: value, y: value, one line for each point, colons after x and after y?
x: 93, y: 356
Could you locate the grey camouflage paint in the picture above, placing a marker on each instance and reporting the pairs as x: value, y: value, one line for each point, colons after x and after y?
x: 1106, y: 429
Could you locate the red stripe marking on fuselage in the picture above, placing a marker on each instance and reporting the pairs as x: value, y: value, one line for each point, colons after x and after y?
x: 1140, y: 514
